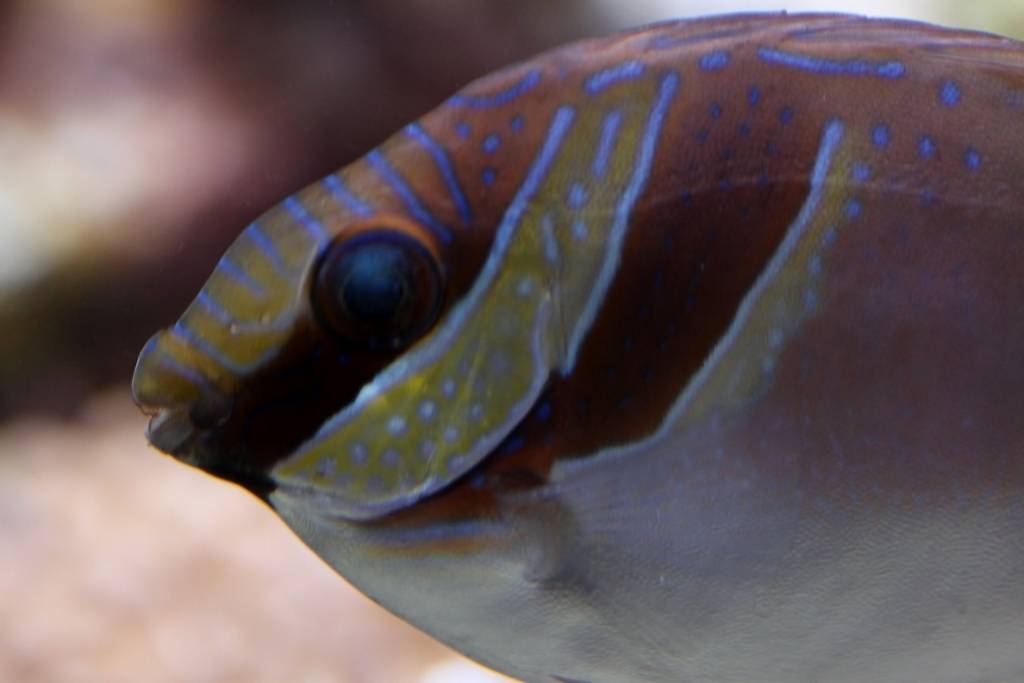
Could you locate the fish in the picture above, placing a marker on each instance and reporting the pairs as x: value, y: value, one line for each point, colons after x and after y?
x: 692, y: 353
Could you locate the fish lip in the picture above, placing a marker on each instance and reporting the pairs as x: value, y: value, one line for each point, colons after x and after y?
x: 172, y: 431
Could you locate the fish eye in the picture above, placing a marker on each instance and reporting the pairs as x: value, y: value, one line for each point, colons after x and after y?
x: 378, y: 290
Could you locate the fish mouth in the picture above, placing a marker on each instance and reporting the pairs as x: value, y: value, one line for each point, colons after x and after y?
x: 172, y: 431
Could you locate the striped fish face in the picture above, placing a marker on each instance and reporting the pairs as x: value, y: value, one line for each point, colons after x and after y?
x: 378, y: 334
x: 680, y: 347
x: 312, y: 301
x: 541, y: 266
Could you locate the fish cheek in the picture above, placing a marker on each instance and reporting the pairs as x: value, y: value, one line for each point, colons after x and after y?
x: 285, y: 403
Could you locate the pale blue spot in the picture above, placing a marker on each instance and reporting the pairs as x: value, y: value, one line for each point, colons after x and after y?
x: 785, y: 116
x: 715, y: 110
x: 488, y: 176
x: 577, y: 196
x: 463, y: 130
x: 359, y: 454
x: 753, y: 95
x: 949, y: 94
x: 880, y: 136
x: 973, y: 159
x: 491, y: 143
x: 926, y: 147
x: 397, y: 424
x: 744, y: 130
x: 516, y: 124
x: 861, y: 172
x: 853, y: 209
x: 579, y: 229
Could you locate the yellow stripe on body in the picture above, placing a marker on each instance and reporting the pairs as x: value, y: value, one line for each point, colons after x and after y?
x: 443, y: 406
x: 787, y: 292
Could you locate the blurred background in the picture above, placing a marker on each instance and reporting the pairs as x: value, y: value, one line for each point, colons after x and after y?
x: 137, y: 137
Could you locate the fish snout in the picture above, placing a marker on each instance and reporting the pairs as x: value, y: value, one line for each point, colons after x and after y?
x: 184, y: 399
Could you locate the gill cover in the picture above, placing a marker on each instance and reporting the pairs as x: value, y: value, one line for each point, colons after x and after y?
x: 443, y: 406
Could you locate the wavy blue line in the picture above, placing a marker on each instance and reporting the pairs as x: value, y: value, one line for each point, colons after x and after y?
x: 306, y: 220
x: 851, y: 67
x: 266, y: 246
x: 626, y: 71
x: 238, y: 275
x: 206, y: 348
x: 444, y: 165
x: 188, y: 372
x: 346, y: 197
x: 412, y: 202
x: 530, y: 81
x: 214, y: 308
x: 641, y: 170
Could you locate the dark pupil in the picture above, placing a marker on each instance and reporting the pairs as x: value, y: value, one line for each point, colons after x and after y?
x: 374, y: 284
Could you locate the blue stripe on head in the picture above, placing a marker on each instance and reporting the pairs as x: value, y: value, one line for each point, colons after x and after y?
x: 526, y: 84
x: 186, y: 372
x: 312, y: 226
x: 444, y: 165
x: 214, y: 308
x: 236, y: 274
x: 188, y: 335
x: 266, y: 247
x: 407, y: 195
x: 344, y: 195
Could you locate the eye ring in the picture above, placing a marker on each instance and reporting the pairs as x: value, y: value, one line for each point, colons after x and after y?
x: 379, y: 286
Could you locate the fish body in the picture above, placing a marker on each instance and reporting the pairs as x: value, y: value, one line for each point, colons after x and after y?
x: 691, y: 354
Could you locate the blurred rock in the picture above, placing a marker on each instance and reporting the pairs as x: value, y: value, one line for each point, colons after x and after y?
x: 139, y: 138
x: 121, y: 565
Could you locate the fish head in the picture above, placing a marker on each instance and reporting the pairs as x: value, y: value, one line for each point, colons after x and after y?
x: 307, y: 306
x: 373, y: 337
